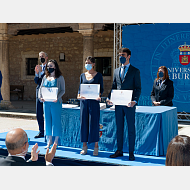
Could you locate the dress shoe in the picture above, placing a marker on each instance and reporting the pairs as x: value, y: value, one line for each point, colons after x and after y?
x: 116, y: 154
x: 39, y: 135
x: 131, y: 156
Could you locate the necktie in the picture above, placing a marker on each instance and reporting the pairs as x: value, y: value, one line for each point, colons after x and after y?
x: 122, y: 73
x: 43, y: 68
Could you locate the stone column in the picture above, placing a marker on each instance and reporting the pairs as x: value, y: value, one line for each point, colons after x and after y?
x: 87, y: 30
x: 4, y: 67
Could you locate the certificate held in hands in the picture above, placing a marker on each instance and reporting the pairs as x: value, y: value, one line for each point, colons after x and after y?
x: 90, y: 91
x: 49, y: 94
x: 121, y: 97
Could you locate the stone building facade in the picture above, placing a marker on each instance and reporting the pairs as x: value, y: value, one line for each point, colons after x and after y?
x: 18, y: 42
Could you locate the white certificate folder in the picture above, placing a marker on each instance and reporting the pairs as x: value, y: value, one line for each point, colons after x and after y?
x: 90, y: 91
x: 49, y: 94
x: 121, y: 97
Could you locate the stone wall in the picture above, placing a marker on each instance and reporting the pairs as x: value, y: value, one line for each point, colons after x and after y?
x: 71, y: 44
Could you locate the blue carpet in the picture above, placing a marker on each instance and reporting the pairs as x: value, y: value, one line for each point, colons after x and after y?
x: 103, y: 156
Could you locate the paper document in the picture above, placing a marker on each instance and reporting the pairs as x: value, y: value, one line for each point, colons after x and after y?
x: 49, y: 94
x: 121, y: 97
x: 90, y: 91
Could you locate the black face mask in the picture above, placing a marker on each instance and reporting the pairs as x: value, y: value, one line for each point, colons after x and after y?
x: 42, y: 60
x: 50, y: 70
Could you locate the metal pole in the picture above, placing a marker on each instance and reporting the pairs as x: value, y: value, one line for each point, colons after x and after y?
x: 113, y: 53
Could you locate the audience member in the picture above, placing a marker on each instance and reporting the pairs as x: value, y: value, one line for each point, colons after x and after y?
x: 17, y: 144
x: 178, y: 152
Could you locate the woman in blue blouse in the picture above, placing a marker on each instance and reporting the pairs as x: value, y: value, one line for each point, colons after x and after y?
x: 90, y: 109
x: 52, y: 110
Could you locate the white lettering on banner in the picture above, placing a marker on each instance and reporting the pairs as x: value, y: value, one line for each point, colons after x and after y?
x: 173, y: 52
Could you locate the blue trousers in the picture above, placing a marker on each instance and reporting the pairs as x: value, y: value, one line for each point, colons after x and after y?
x: 120, y: 112
x: 89, y: 120
x: 52, y: 115
x: 39, y: 115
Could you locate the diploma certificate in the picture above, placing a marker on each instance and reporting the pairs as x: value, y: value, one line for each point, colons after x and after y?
x: 121, y: 97
x: 49, y: 94
x: 90, y: 91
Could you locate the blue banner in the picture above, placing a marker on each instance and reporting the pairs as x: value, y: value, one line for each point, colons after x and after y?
x: 155, y: 45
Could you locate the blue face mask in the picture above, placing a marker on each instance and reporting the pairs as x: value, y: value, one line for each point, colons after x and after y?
x: 88, y: 66
x: 122, y: 59
x: 160, y: 74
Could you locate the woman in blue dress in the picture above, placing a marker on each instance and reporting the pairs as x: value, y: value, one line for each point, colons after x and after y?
x: 52, y: 110
x: 90, y: 109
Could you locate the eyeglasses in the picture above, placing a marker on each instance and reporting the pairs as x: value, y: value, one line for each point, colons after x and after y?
x: 27, y: 141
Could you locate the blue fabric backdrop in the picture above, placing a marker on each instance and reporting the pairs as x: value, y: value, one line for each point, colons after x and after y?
x: 155, y: 45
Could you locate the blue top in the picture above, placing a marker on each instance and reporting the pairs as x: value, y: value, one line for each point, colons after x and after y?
x: 97, y: 79
x: 48, y: 83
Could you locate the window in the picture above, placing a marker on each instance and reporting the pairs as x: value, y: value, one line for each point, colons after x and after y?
x: 30, y: 65
x: 103, y: 65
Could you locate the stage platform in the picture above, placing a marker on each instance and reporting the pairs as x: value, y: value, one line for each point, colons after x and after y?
x: 73, y: 155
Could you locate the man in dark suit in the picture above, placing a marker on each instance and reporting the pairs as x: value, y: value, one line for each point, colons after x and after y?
x: 17, y: 145
x: 126, y: 77
x: 39, y: 74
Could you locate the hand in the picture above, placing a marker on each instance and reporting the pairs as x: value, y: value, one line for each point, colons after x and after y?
x: 42, y: 99
x: 80, y: 97
x: 36, y: 69
x: 109, y: 102
x: 34, y: 154
x: 98, y: 99
x: 50, y: 155
x: 39, y: 68
x: 156, y: 103
x: 131, y: 104
x: 55, y: 101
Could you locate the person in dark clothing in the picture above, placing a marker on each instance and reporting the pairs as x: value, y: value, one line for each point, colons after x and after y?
x: 17, y: 144
x: 162, y: 90
x: 90, y: 109
x: 39, y: 74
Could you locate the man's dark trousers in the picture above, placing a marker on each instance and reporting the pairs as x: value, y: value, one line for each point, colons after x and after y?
x: 39, y: 115
x: 129, y: 112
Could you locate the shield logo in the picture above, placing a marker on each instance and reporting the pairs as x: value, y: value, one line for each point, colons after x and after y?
x: 184, y: 56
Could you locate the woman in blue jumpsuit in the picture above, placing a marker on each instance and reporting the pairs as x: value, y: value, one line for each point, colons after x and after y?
x: 90, y: 109
x: 52, y: 110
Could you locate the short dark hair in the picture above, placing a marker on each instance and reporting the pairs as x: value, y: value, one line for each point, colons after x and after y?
x: 92, y: 59
x: 126, y: 50
x: 57, y: 70
x: 178, y: 152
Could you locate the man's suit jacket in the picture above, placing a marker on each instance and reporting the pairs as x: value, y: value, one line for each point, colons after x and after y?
x: 18, y: 161
x: 132, y: 81
x: 38, y: 81
x: 165, y: 94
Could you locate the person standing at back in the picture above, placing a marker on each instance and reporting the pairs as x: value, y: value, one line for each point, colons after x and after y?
x: 39, y: 74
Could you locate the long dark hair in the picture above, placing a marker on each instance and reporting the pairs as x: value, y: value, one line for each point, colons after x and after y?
x: 57, y: 70
x: 178, y: 152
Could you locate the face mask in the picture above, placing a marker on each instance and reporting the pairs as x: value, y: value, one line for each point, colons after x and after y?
x: 50, y: 70
x: 122, y: 59
x: 160, y: 74
x: 42, y: 60
x: 88, y: 66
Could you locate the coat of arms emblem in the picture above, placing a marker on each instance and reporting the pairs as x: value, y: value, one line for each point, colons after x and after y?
x: 184, y: 56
